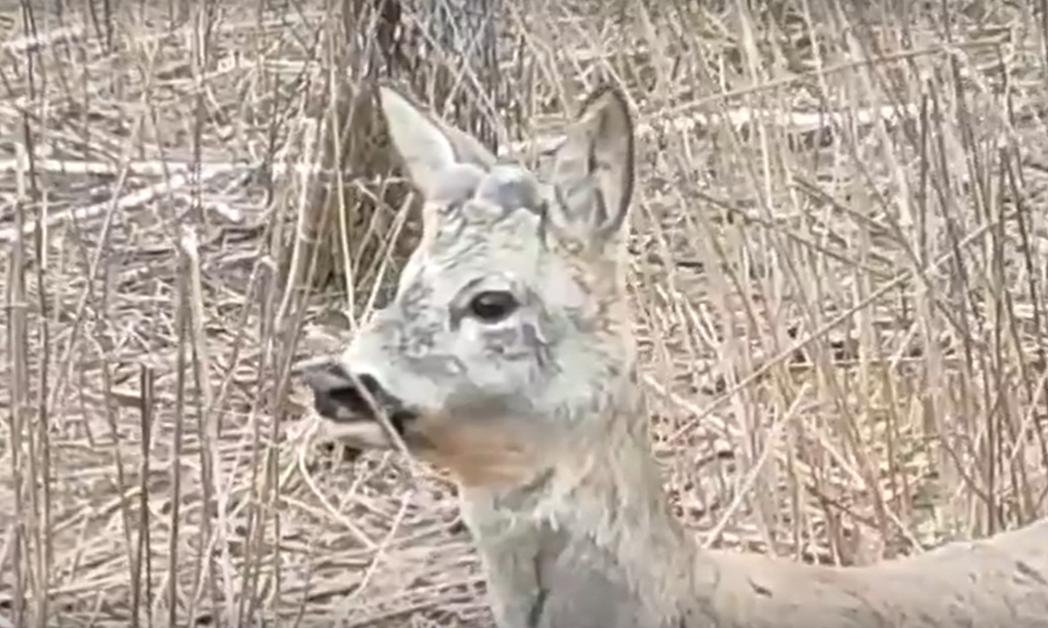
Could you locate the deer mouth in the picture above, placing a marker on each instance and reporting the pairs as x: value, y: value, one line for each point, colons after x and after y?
x: 347, y: 398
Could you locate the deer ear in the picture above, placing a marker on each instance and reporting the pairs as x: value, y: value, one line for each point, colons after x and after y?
x: 428, y: 147
x: 593, y: 171
x: 468, y: 149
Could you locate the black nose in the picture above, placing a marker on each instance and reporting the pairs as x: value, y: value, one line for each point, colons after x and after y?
x: 338, y: 396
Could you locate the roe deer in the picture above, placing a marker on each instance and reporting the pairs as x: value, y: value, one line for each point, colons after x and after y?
x: 506, y: 356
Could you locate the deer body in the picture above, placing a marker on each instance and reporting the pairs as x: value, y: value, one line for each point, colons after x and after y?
x: 601, y: 549
x: 507, y: 357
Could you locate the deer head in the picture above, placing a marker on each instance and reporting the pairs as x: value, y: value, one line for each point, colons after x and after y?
x: 507, y: 344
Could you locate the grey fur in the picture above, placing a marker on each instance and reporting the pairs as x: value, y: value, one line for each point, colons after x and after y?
x: 540, y: 417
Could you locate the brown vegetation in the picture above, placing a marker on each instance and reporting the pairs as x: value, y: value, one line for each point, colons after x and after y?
x: 837, y: 271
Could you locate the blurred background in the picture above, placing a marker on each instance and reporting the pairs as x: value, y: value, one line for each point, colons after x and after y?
x: 838, y: 275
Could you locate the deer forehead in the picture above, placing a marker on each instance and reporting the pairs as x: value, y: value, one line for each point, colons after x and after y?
x: 505, y: 185
x: 491, y: 219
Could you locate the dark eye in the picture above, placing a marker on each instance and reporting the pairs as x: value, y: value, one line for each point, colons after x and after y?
x: 492, y: 306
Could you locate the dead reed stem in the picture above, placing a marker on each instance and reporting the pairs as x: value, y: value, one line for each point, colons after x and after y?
x: 835, y: 271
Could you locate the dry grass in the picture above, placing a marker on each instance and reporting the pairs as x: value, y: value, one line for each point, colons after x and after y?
x: 838, y: 272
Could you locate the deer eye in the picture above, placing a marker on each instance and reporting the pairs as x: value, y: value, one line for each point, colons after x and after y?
x: 492, y: 306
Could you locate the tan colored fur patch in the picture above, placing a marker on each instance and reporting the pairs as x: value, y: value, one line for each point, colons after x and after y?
x: 479, y: 452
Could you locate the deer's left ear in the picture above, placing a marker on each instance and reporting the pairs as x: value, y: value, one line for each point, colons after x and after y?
x: 593, y: 171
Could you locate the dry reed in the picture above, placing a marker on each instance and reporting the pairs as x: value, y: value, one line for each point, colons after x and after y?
x: 837, y: 275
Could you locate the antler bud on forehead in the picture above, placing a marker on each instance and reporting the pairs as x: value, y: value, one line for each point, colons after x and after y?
x: 512, y: 187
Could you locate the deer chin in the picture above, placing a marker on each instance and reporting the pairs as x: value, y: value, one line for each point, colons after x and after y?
x: 495, y: 450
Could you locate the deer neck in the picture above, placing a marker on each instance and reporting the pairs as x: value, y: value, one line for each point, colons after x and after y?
x: 588, y: 542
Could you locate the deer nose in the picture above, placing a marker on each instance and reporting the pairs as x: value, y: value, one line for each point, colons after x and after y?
x: 342, y: 396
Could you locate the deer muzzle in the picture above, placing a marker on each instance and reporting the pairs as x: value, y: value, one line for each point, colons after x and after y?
x: 355, y: 400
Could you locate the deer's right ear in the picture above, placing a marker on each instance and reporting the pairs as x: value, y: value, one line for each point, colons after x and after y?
x: 427, y: 146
